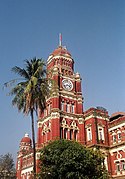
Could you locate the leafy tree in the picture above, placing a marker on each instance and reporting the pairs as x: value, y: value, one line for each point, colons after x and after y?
x: 29, y: 92
x: 7, y: 169
x: 63, y: 159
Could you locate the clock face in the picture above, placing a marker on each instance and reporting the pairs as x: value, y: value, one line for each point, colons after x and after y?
x: 67, y: 84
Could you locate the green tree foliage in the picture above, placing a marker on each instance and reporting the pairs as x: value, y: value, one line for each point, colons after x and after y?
x: 7, y: 169
x: 63, y: 159
x: 29, y: 91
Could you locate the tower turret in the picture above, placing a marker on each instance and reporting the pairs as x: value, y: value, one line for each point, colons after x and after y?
x: 63, y: 116
x: 25, y: 143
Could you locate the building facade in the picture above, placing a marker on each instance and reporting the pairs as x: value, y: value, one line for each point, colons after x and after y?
x: 65, y: 118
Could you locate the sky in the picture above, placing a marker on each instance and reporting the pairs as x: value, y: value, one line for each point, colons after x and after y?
x: 92, y: 31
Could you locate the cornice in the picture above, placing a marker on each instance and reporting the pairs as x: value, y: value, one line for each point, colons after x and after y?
x: 71, y: 95
x: 56, y: 113
x: 117, y: 145
x: 51, y: 57
x: 97, y: 117
x: 115, y: 127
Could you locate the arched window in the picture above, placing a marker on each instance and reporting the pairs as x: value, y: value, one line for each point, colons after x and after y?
x: 101, y: 133
x: 75, y: 135
x: 89, y: 134
x: 68, y: 108
x: 61, y: 133
x: 72, y: 108
x: 62, y: 105
x: 65, y: 133
x: 71, y: 134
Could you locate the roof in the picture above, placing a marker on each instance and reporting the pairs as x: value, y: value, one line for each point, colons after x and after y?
x: 61, y: 51
x: 26, y: 139
x: 116, y: 115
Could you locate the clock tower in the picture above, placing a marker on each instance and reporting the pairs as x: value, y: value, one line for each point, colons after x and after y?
x: 63, y: 116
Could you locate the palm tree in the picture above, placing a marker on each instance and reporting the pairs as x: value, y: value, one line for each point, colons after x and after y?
x: 30, y: 92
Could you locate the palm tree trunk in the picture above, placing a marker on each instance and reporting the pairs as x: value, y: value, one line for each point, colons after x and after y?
x: 34, y: 147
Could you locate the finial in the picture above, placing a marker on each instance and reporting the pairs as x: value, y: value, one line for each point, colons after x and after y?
x: 60, y: 39
x: 26, y: 135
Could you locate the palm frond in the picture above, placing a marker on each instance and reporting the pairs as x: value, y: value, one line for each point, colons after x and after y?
x: 28, y: 67
x: 20, y: 71
x: 10, y: 83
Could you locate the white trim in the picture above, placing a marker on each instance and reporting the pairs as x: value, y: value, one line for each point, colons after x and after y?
x: 117, y: 149
x: 29, y: 169
x: 116, y: 126
x: 37, y: 155
x: 101, y: 133
x: 98, y: 117
x: 51, y: 57
x: 89, y: 133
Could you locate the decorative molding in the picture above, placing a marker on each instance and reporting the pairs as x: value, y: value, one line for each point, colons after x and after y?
x: 26, y: 170
x: 97, y: 117
x: 51, y: 57
x: 88, y: 125
x: 116, y: 127
x: 113, y: 150
x: 55, y: 115
x: 81, y: 121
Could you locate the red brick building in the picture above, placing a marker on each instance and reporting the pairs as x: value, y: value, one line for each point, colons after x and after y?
x: 64, y: 117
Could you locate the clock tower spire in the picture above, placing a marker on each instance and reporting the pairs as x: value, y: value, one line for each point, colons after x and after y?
x: 60, y: 40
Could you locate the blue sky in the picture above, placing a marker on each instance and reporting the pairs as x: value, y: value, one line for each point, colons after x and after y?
x: 93, y: 32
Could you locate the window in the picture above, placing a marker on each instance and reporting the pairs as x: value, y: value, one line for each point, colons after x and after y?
x: 119, y: 136
x: 72, y: 108
x: 49, y: 108
x: 61, y: 133
x: 71, y: 134
x: 45, y: 112
x: 89, y: 134
x: 123, y: 165
x: 62, y: 71
x: 68, y: 108
x: 75, y: 135
x: 101, y: 133
x: 65, y: 133
x: 118, y: 167
x: 62, y: 105
x: 114, y: 138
